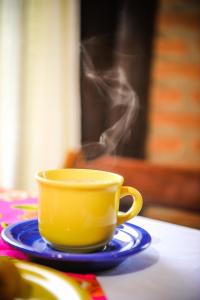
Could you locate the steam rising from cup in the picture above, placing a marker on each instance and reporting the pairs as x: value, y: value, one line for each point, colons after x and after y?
x: 115, y: 88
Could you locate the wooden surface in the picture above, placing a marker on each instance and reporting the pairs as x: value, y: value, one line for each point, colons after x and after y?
x: 169, y: 192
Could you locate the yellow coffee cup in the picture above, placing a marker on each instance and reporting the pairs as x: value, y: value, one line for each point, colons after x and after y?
x: 78, y: 209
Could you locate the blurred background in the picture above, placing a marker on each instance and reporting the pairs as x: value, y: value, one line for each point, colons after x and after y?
x: 78, y: 72
x: 39, y: 87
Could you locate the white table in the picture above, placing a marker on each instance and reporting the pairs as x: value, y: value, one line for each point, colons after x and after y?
x: 168, y: 270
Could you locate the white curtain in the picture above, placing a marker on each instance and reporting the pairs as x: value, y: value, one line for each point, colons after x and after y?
x: 39, y: 87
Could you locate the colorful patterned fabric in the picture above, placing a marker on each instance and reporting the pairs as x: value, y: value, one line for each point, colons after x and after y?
x: 18, y: 205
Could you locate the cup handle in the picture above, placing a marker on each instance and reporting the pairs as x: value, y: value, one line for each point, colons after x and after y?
x: 136, y: 205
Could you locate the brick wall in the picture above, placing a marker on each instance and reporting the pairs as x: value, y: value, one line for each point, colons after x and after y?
x: 174, y: 131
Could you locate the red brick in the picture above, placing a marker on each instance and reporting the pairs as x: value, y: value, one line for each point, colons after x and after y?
x: 165, y: 95
x: 195, y: 96
x: 181, y: 1
x: 196, y: 145
x: 165, y: 144
x: 176, y: 120
x: 171, y: 46
x: 171, y: 69
x: 171, y: 20
x: 197, y: 46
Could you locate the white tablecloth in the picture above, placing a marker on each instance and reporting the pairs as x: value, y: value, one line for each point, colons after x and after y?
x: 168, y: 270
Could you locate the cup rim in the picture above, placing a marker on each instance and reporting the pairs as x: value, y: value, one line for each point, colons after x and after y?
x: 117, y: 179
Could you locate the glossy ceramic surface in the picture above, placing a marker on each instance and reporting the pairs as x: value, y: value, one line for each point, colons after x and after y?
x: 128, y: 240
x: 46, y: 283
x: 82, y: 205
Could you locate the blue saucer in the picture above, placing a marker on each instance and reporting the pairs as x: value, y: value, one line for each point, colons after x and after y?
x: 128, y: 239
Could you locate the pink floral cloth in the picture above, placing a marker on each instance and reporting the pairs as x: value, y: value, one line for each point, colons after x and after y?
x: 18, y: 205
